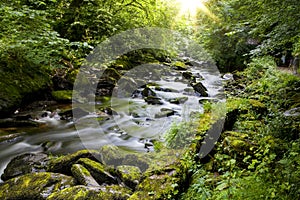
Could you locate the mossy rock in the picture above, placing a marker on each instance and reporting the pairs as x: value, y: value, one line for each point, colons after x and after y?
x: 63, y: 164
x: 237, y: 142
x: 130, y: 175
x: 112, y: 155
x: 178, y: 100
x: 111, y: 73
x: 153, y: 100
x: 36, y: 186
x: 62, y: 95
x: 98, y: 171
x: 92, y: 193
x: 178, y: 65
x: 24, y: 164
x: 164, y: 113
x: 12, y: 122
x: 164, y: 183
x: 83, y: 176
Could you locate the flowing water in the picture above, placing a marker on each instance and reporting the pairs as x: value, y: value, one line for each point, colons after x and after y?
x: 134, y: 123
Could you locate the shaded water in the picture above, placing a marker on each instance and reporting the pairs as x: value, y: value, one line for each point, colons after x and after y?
x: 134, y: 124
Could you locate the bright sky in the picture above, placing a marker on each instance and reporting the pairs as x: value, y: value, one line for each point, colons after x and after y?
x: 190, y: 8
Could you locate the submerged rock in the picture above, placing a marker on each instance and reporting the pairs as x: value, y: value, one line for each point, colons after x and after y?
x: 37, y: 186
x: 24, y: 164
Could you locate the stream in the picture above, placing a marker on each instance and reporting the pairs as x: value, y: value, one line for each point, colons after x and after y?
x: 133, y: 124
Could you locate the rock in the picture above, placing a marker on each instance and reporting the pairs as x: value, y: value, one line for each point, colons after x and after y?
x: 111, y: 155
x: 37, y: 186
x: 130, y: 175
x: 113, y: 192
x: 12, y: 122
x: 199, y: 87
x: 163, y: 183
x: 189, y: 76
x: 63, y: 96
x: 178, y: 65
x: 138, y: 160
x: 153, y: 100
x: 98, y: 171
x: 158, y: 88
x: 164, y: 112
x: 148, y: 92
x: 83, y: 176
x: 178, y: 100
x: 68, y: 114
x: 294, y: 112
x: 63, y: 164
x: 111, y: 73
x: 208, y: 100
x: 26, y: 163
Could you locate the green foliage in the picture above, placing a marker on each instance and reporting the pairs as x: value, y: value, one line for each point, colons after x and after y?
x: 259, y: 157
x: 241, y: 29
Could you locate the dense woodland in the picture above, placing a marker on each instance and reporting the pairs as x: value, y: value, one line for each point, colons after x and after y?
x: 258, y: 153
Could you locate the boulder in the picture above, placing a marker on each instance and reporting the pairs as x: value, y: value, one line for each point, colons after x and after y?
x: 83, y: 176
x: 200, y: 88
x: 178, y: 65
x: 148, y: 92
x: 63, y: 164
x: 130, y: 175
x: 26, y: 163
x: 37, y: 186
x: 178, y: 100
x: 63, y: 96
x: 98, y: 171
x: 113, y: 192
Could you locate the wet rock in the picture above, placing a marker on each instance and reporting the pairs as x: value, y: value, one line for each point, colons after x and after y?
x: 113, y: 192
x: 26, y: 163
x: 189, y: 76
x: 178, y: 100
x: 37, y: 186
x: 158, y: 88
x: 199, y: 87
x: 208, y: 100
x: 148, y: 92
x: 164, y: 112
x: 130, y: 175
x: 153, y: 100
x: 63, y: 164
x: 63, y: 96
x: 68, y: 114
x: 83, y: 176
x: 178, y: 65
x: 98, y: 171
x: 295, y: 112
x: 12, y: 122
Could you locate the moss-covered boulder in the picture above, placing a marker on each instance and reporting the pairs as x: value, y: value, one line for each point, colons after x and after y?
x: 63, y: 96
x: 162, y: 183
x: 83, y: 176
x: 130, y: 175
x: 63, y: 164
x: 178, y: 100
x: 37, y: 186
x: 178, y: 65
x: 92, y: 193
x: 98, y: 171
x: 164, y: 112
x: 153, y: 100
x: 26, y: 163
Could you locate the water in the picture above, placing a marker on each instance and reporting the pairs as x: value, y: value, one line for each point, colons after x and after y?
x: 133, y: 124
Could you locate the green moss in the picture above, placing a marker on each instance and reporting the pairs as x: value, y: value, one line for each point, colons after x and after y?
x: 83, y: 176
x: 63, y: 164
x: 98, y: 171
x: 34, y: 186
x: 179, y: 65
x: 62, y: 95
x: 130, y: 175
